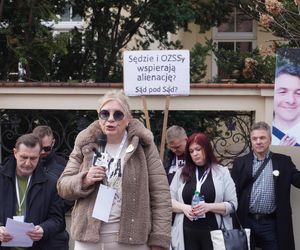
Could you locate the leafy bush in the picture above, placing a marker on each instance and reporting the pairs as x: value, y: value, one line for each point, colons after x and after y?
x: 197, y: 61
x: 249, y: 67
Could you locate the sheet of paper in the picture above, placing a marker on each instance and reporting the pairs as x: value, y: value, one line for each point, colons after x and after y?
x: 103, y: 203
x: 18, y: 230
x: 19, y: 218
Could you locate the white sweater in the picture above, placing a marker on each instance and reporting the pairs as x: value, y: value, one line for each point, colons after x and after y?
x: 225, y: 192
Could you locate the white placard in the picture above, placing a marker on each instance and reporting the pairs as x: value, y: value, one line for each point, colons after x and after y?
x: 103, y: 203
x: 157, y: 72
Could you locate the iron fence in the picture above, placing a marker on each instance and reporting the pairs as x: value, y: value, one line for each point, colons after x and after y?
x: 229, y: 130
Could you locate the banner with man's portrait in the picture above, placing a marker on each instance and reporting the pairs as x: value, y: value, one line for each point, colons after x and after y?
x: 286, y: 116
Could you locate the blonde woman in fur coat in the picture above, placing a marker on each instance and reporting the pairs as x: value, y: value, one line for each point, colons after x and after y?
x: 140, y: 213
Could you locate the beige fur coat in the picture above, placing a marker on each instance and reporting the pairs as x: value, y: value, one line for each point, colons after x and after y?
x: 146, y: 204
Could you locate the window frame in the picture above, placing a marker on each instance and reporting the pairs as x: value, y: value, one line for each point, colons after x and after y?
x: 234, y: 37
x: 65, y: 26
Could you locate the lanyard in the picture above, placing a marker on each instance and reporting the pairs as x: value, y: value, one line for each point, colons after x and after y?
x: 20, y: 203
x: 113, y: 165
x: 202, y: 179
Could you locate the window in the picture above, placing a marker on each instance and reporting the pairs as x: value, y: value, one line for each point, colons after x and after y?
x: 68, y: 15
x: 238, y: 22
x: 237, y: 34
x: 67, y: 21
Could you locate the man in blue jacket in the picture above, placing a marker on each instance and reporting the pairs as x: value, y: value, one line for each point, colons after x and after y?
x: 28, y: 194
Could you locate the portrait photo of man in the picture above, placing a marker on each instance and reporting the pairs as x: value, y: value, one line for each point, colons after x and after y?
x: 286, y: 119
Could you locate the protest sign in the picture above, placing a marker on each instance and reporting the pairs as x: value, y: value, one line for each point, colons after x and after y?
x: 286, y: 114
x: 157, y: 72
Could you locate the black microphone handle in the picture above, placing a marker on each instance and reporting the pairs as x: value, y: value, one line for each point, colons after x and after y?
x: 102, y: 148
x: 102, y: 140
x: 97, y: 153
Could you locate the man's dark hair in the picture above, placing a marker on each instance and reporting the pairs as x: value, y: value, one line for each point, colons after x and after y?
x: 289, y: 69
x: 42, y: 131
x: 29, y: 140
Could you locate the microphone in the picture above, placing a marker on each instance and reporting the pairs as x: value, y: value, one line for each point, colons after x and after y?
x: 97, y: 153
x: 100, y: 158
x: 101, y: 141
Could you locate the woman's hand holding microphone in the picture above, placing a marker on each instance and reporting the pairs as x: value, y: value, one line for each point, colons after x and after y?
x: 95, y: 173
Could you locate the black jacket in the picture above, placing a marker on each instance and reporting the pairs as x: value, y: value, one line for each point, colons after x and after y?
x: 43, y: 205
x: 54, y: 165
x: 288, y: 175
x: 169, y: 159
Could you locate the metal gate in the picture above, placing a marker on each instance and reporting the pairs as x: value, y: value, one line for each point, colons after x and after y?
x: 229, y: 130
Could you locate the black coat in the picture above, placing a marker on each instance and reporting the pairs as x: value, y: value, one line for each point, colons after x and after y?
x: 43, y: 205
x: 168, y: 158
x: 54, y: 165
x: 288, y: 175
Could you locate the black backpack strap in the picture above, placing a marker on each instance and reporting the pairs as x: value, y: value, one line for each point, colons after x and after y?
x: 261, y: 168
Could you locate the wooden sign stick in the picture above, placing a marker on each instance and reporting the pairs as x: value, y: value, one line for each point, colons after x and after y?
x: 163, y: 139
x: 146, y: 112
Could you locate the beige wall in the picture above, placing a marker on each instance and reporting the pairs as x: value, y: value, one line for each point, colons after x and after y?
x: 254, y: 97
x: 189, y: 39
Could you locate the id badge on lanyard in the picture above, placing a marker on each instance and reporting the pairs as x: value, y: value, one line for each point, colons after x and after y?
x: 202, y: 179
x: 21, y: 218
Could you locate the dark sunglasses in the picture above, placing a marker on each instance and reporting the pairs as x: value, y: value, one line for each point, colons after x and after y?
x: 47, y: 148
x: 105, y: 114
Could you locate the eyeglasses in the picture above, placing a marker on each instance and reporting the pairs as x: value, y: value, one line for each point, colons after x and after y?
x: 47, y: 148
x: 105, y: 114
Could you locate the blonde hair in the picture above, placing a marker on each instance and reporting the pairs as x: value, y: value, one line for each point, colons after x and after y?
x: 118, y: 96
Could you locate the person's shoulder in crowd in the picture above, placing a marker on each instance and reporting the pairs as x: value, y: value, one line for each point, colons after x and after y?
x: 7, y: 159
x: 244, y: 157
x: 137, y: 128
x: 279, y: 155
x: 88, y: 135
x: 60, y: 159
x: 52, y: 166
x: 220, y: 168
x: 7, y: 162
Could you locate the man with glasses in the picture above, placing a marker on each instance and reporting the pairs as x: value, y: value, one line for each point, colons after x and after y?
x: 176, y: 140
x: 52, y: 162
x: 53, y: 165
x: 27, y: 194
